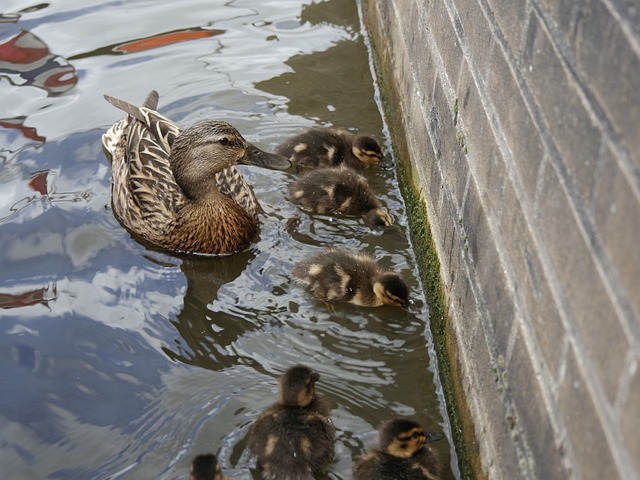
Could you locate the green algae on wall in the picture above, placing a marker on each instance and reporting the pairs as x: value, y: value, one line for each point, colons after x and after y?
x: 429, y: 268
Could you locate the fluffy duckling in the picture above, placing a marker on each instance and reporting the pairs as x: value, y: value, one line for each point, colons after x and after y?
x: 206, y: 467
x: 179, y: 189
x: 340, y: 190
x: 402, y: 453
x: 330, y: 147
x: 293, y: 439
x: 353, y: 277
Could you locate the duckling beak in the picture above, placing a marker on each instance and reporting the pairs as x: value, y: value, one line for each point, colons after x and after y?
x: 254, y: 156
x: 315, y: 377
x: 433, y: 437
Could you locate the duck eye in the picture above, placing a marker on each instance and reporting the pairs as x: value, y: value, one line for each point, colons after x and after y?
x: 416, y: 434
x: 223, y: 141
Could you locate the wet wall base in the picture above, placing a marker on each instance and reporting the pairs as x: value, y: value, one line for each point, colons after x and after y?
x: 522, y: 146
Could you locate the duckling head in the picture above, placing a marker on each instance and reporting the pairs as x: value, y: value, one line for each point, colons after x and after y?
x: 297, y: 386
x: 205, y: 467
x: 201, y: 151
x: 402, y: 437
x: 367, y: 149
x: 378, y: 217
x: 391, y: 289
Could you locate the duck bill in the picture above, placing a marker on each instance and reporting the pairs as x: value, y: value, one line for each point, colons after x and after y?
x: 260, y: 158
x: 433, y: 437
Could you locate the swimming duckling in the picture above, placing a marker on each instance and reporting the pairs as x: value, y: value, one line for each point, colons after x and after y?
x: 206, y: 467
x: 179, y: 189
x: 354, y: 277
x: 341, y: 190
x: 293, y: 439
x: 330, y: 147
x: 402, y: 453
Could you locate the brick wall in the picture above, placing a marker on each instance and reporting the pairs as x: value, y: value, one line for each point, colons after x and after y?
x: 521, y: 126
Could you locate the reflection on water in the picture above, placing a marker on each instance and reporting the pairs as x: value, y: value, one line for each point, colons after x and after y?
x: 26, y: 60
x: 123, y: 362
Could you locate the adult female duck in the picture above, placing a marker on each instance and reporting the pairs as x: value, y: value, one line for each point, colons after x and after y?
x: 178, y: 189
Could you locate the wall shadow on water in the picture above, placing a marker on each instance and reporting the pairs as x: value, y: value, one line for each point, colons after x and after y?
x: 322, y: 83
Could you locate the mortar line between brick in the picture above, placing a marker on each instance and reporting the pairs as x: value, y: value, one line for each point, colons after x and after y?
x: 588, y: 98
x: 534, y: 352
x: 478, y: 409
x: 606, y: 414
x: 523, y: 451
x: 607, y: 272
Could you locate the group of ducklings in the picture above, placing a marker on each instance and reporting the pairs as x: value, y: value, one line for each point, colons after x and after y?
x: 293, y: 439
x: 178, y: 189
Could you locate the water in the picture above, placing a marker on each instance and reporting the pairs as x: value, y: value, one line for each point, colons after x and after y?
x: 123, y: 362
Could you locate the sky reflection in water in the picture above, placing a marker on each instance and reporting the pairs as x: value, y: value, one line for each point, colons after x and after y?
x: 123, y: 362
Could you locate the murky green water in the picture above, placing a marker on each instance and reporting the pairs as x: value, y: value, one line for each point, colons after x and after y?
x: 121, y: 362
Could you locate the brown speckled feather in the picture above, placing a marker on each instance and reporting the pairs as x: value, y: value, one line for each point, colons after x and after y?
x: 152, y: 206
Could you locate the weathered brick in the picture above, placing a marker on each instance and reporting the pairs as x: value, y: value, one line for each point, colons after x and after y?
x: 446, y: 40
x: 591, y: 455
x: 424, y: 70
x: 482, y: 389
x: 564, y: 15
x: 485, y: 156
x: 612, y: 69
x: 452, y: 158
x: 574, y: 134
x: 616, y: 212
x: 588, y: 302
x: 531, y: 282
x: 512, y: 19
x: 516, y: 122
x: 489, y: 272
x: 628, y: 414
x: 478, y: 35
x: 532, y: 415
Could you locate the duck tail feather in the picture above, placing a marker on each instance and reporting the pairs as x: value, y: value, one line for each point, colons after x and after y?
x: 126, y: 107
x: 151, y: 101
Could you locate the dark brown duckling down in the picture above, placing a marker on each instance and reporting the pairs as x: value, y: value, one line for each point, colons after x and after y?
x: 338, y: 190
x: 402, y: 454
x: 293, y: 439
x: 344, y: 276
x: 206, y: 467
x: 330, y: 147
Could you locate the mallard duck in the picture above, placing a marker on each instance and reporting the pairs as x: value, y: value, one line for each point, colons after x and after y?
x: 402, y: 453
x: 330, y: 147
x: 178, y: 189
x: 354, y: 277
x: 293, y: 439
x: 206, y: 467
x: 340, y: 190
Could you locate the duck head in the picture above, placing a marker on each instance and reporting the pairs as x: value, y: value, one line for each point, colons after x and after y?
x: 297, y: 386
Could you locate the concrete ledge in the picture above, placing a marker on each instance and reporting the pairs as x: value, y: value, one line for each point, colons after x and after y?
x: 520, y: 139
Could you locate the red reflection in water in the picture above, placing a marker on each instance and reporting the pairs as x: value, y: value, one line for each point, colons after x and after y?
x: 16, y: 123
x: 164, y: 39
x: 39, y: 182
x: 27, y: 60
x: 40, y: 296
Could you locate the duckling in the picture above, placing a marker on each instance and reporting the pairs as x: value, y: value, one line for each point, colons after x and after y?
x: 178, y: 189
x: 206, y: 467
x: 354, y: 277
x: 341, y: 190
x: 293, y: 439
x: 330, y: 147
x: 402, y: 454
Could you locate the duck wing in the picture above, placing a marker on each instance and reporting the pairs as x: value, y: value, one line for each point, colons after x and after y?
x: 146, y: 195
